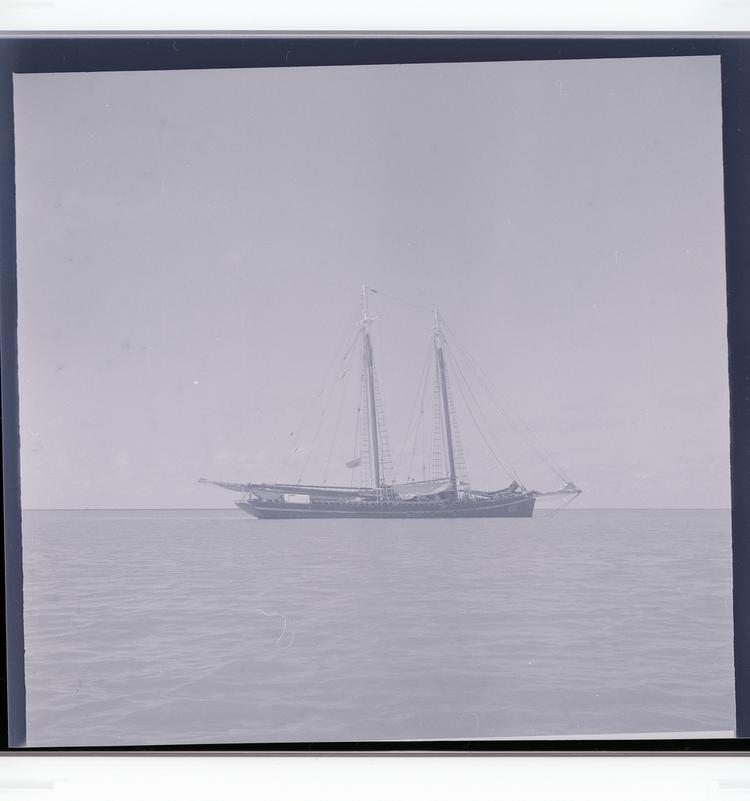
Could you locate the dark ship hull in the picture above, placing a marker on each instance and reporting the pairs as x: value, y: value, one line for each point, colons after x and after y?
x: 393, y: 509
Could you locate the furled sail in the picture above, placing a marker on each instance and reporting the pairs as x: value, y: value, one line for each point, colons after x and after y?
x: 421, y: 489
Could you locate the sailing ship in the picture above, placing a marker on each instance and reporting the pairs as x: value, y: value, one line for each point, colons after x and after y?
x: 446, y: 494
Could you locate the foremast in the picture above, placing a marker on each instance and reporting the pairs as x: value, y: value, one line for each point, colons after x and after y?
x: 439, y: 342
x: 369, y: 368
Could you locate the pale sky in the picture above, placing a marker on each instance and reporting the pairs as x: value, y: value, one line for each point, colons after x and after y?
x: 191, y: 247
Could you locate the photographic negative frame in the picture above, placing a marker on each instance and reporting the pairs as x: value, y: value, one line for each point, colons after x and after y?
x: 76, y: 54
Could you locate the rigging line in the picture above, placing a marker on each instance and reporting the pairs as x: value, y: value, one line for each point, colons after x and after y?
x: 343, y: 378
x: 507, y: 466
x: 422, y: 428
x: 506, y: 410
x: 364, y: 447
x: 399, y: 300
x: 493, y: 434
x: 297, y: 434
x: 459, y: 458
x: 563, y: 506
x: 356, y: 451
x: 419, y: 419
x: 325, y: 408
x: 385, y: 461
x: 419, y: 423
x: 509, y: 471
x: 529, y: 438
x: 437, y: 466
x: 412, y: 419
x: 356, y: 442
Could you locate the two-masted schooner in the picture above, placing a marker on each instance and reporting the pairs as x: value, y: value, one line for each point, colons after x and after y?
x: 442, y: 496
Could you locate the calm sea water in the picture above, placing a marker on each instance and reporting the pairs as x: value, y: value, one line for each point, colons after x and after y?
x: 209, y: 626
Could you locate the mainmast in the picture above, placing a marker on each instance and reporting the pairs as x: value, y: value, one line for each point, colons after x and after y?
x: 369, y: 364
x: 439, y: 340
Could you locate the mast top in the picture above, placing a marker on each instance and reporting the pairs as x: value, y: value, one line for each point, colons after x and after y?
x: 365, y: 315
x: 438, y: 331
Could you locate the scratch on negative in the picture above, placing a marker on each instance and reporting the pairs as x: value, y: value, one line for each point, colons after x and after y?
x: 283, y: 629
x: 476, y: 719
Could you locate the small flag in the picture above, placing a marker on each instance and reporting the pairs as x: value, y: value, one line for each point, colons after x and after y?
x: 354, y: 463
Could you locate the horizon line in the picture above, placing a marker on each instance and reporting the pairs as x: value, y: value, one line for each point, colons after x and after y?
x: 227, y: 508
